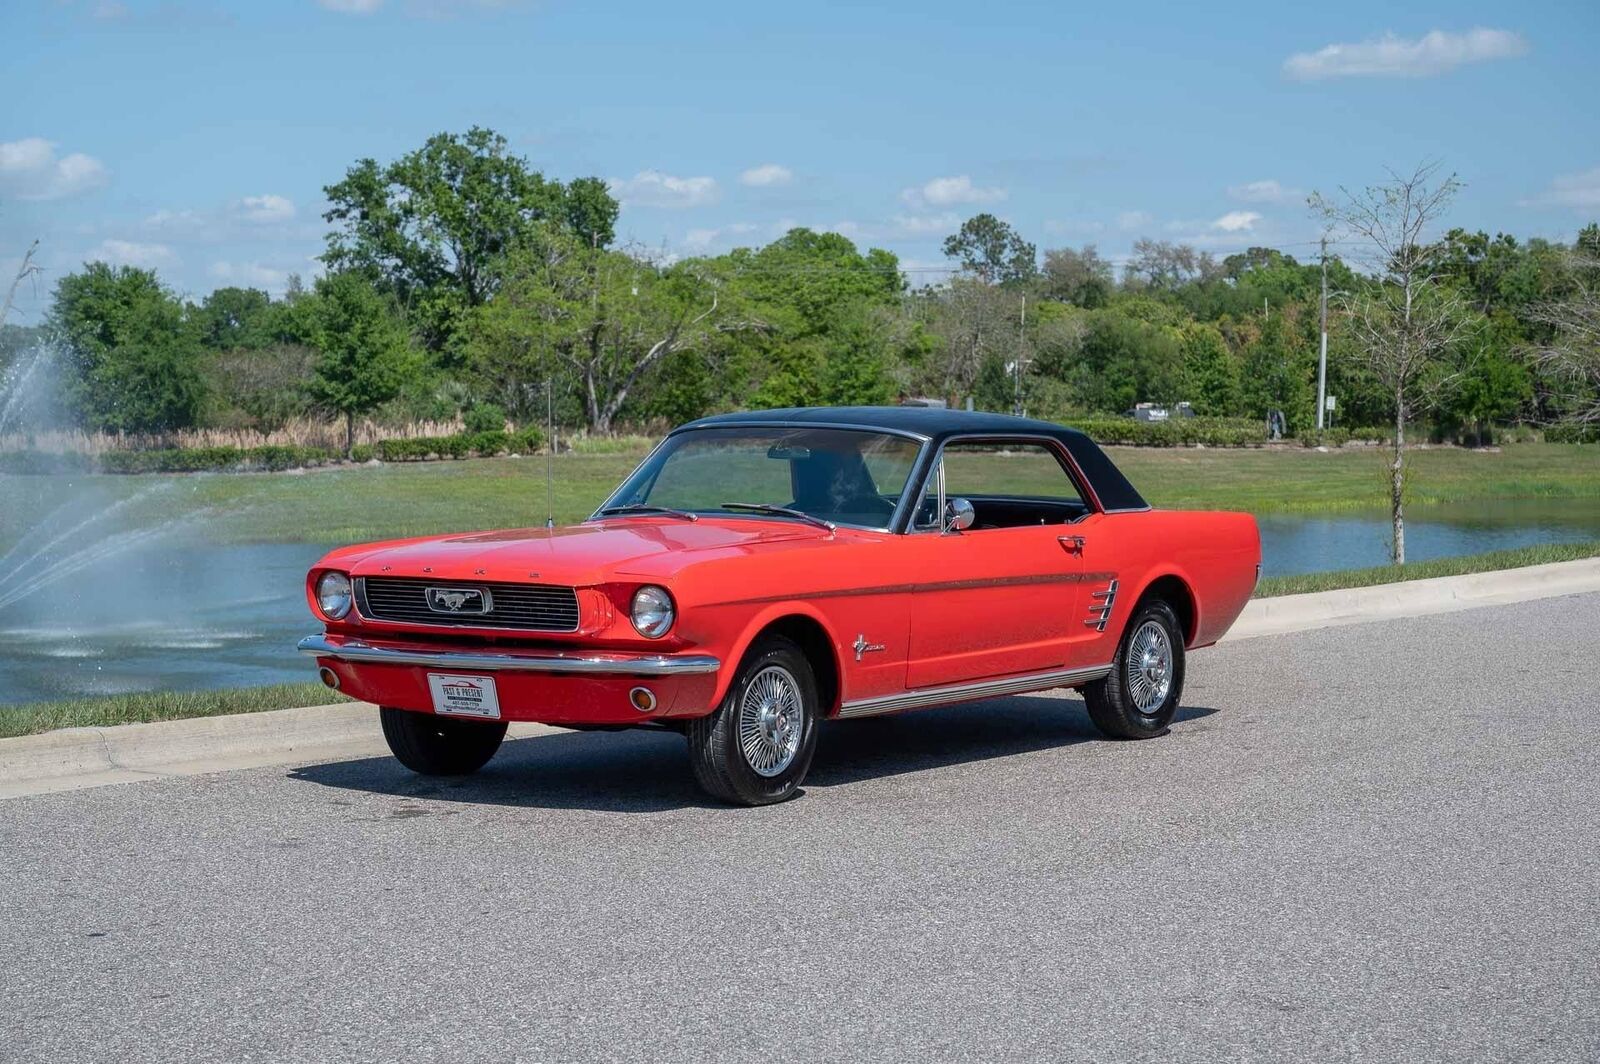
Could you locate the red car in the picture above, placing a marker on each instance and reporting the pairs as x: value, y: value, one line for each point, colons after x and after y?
x: 762, y: 572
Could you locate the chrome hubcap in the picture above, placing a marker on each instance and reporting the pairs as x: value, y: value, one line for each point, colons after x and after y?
x: 1149, y: 667
x: 770, y: 721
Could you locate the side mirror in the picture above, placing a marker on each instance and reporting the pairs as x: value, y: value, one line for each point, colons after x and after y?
x: 958, y: 515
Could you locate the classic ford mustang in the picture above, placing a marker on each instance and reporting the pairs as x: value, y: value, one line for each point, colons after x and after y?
x: 761, y: 572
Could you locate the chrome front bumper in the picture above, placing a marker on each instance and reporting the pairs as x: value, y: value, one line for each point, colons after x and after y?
x: 591, y: 664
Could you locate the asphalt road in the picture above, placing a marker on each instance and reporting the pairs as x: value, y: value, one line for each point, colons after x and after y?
x: 1379, y: 842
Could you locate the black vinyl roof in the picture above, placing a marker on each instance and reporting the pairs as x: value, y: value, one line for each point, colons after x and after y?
x: 938, y: 424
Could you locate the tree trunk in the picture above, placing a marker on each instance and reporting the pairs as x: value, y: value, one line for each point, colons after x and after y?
x: 1397, y: 483
x: 599, y: 422
x: 349, y: 433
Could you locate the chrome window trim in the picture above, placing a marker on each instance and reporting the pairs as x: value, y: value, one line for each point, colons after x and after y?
x: 361, y: 652
x: 962, y: 692
x: 1069, y: 466
x: 894, y: 519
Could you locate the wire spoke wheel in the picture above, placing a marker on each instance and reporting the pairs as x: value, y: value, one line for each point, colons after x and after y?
x: 771, y: 721
x: 1149, y: 667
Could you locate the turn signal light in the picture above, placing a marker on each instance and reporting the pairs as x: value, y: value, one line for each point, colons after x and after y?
x: 642, y: 699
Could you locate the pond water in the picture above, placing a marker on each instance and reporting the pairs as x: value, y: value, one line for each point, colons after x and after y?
x: 176, y: 613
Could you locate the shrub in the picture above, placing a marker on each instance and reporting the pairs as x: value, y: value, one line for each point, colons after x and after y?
x: 484, y: 417
x: 270, y: 457
x: 1179, y: 432
x: 1572, y: 433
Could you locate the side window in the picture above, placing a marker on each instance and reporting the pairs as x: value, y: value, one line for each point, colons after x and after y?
x: 1009, y: 483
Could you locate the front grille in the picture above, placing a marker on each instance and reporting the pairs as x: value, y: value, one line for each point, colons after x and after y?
x: 527, y: 607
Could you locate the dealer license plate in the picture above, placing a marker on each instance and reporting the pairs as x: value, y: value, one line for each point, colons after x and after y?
x: 464, y: 696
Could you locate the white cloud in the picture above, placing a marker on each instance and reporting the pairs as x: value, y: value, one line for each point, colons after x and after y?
x: 1128, y: 221
x: 1580, y: 191
x: 250, y: 274
x: 171, y: 222
x: 1237, y: 221
x: 652, y: 188
x: 130, y: 253
x: 265, y: 209
x: 1264, y: 192
x: 352, y: 7
x: 951, y: 191
x: 699, y: 240
x: 30, y: 169
x: 1435, y: 52
x: 927, y: 224
x: 767, y: 175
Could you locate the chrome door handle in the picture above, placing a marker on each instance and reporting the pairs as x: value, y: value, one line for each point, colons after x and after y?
x: 1071, y: 544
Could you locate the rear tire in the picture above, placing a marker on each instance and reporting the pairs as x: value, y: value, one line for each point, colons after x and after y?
x: 1139, y: 697
x: 440, y: 746
x: 756, y: 747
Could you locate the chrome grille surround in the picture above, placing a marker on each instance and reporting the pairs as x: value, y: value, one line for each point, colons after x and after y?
x: 521, y: 607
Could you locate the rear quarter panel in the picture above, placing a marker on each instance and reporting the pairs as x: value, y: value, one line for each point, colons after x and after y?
x: 1216, y: 554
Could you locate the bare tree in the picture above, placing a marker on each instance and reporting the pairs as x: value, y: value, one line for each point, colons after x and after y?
x: 1404, y: 321
x: 1163, y: 264
x: 27, y: 269
x: 1572, y: 357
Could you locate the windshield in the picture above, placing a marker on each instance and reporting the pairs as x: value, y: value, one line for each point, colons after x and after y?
x: 843, y: 476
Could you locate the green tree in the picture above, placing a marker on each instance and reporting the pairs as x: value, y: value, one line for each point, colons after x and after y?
x: 604, y: 318
x: 1210, y: 372
x: 433, y: 227
x: 232, y: 318
x: 990, y: 249
x: 132, y: 357
x: 364, y: 356
x: 1080, y: 277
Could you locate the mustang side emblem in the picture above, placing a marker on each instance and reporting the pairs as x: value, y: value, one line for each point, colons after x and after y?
x: 459, y: 600
x: 861, y: 646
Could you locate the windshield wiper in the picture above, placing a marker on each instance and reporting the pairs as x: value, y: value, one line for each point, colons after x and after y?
x: 642, y: 508
x: 767, y: 508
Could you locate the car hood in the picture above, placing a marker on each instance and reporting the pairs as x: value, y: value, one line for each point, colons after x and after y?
x: 590, y: 553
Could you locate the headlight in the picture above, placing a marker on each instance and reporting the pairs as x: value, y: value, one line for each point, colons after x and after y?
x: 333, y: 595
x: 652, y: 612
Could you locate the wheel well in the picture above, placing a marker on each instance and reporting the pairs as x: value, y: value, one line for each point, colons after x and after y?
x: 1176, y: 593
x: 814, y: 642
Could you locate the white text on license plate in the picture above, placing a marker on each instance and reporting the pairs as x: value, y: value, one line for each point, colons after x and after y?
x: 464, y: 696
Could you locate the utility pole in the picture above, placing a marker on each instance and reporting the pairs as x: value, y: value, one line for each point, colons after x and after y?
x: 1322, y: 356
x: 1016, y: 366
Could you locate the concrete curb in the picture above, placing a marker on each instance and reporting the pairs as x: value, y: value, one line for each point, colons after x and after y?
x: 75, y: 758
x: 1414, y: 598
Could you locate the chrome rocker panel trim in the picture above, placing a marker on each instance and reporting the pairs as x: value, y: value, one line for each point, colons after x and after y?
x: 962, y: 692
x: 355, y: 650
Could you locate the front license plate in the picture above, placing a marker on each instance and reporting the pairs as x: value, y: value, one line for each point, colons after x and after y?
x: 464, y: 696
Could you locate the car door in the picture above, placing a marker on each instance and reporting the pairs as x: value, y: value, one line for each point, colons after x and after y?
x: 1005, y: 595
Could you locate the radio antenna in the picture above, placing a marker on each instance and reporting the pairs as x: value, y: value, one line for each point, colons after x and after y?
x: 550, y: 457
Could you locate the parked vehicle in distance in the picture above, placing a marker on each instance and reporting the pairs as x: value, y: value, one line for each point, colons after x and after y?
x: 762, y: 572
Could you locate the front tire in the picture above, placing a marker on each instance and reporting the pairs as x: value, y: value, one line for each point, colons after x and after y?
x: 756, y: 747
x: 440, y: 746
x: 1139, y: 697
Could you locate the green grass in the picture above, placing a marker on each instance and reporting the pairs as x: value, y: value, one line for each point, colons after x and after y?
x: 33, y: 717
x: 1302, y: 480
x: 1391, y: 574
x: 352, y: 504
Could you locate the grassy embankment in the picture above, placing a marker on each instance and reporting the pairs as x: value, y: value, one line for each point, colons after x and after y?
x: 343, y: 505
x: 350, y: 504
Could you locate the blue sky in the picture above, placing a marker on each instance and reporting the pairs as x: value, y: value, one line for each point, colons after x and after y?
x: 196, y: 137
